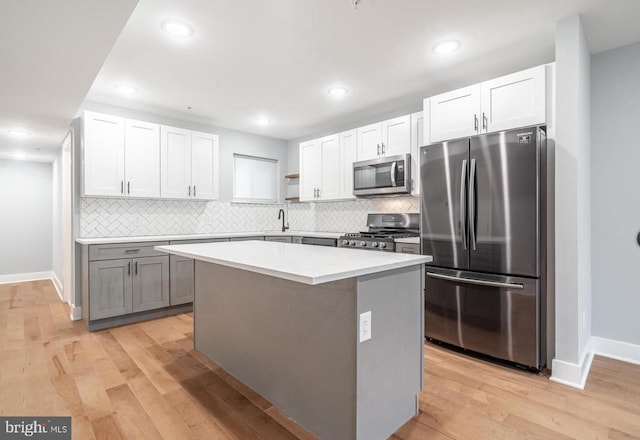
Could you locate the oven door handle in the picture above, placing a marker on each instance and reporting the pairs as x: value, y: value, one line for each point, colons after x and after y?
x: 476, y: 282
x: 394, y: 171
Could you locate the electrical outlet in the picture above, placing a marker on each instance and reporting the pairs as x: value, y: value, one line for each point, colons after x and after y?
x: 365, y: 326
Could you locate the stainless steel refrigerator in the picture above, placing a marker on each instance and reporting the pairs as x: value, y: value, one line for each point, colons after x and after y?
x: 482, y: 220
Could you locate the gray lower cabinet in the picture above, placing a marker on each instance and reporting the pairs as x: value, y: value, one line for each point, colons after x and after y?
x: 279, y: 239
x: 182, y: 273
x: 123, y: 286
x: 111, y: 288
x: 182, y: 279
x: 150, y: 283
x: 408, y: 248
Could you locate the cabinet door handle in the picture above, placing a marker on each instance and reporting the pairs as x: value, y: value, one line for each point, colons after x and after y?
x: 129, y: 268
x: 194, y: 190
x: 189, y: 190
x: 485, y: 124
x: 122, y: 187
x: 378, y: 149
x: 136, y: 268
x: 128, y: 187
x: 382, y: 148
x: 318, y: 192
x: 475, y: 122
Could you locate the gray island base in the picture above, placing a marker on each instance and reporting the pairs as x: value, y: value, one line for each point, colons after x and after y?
x: 297, y: 344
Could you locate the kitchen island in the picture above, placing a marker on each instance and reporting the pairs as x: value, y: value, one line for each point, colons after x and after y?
x: 285, y: 319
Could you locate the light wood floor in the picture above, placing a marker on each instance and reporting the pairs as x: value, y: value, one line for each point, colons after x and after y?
x: 145, y: 381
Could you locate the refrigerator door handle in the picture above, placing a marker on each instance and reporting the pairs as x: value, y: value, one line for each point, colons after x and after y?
x: 394, y: 169
x: 463, y: 202
x: 472, y: 207
x: 476, y: 282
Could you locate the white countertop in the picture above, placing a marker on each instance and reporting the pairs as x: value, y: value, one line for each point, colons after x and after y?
x: 145, y: 238
x: 296, y: 262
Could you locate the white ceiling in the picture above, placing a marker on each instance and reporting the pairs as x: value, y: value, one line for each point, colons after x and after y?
x: 50, y: 53
x: 274, y: 58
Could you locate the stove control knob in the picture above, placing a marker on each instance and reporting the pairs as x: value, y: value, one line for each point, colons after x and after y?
x: 383, y: 245
x: 352, y: 243
x: 363, y: 243
x: 345, y: 242
x: 375, y: 244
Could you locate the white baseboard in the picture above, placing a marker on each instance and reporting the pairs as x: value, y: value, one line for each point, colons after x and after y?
x: 622, y: 351
x: 573, y: 375
x: 76, y: 313
x: 24, y: 277
x: 57, y: 284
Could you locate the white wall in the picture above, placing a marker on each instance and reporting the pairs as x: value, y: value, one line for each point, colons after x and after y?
x: 25, y: 217
x: 616, y: 193
x: 572, y: 193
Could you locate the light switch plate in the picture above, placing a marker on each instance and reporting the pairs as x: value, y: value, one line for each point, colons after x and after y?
x: 365, y: 326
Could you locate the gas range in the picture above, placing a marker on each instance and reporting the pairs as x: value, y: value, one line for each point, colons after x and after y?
x: 384, y: 229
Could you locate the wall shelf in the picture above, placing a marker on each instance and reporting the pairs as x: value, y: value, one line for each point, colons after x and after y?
x: 292, y: 176
x: 292, y: 199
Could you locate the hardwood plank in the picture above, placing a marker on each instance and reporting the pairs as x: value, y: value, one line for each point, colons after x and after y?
x: 147, y: 381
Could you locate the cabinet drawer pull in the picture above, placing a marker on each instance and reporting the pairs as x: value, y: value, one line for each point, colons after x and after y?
x: 131, y: 251
x: 129, y: 268
x: 136, y: 267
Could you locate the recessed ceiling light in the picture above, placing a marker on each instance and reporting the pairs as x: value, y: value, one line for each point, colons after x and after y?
x: 177, y: 28
x: 337, y: 92
x: 445, y: 47
x: 263, y: 121
x: 126, y: 89
x: 19, y: 133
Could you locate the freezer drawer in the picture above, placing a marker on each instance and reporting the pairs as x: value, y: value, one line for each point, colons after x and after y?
x: 489, y: 314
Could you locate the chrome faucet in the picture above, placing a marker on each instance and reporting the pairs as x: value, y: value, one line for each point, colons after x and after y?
x: 281, y: 215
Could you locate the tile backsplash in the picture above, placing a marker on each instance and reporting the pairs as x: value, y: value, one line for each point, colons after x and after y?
x: 129, y: 217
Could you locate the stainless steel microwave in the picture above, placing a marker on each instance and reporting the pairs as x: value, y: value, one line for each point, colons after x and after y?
x: 382, y: 176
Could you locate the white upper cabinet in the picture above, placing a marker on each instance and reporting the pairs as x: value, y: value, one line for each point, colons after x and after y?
x: 189, y: 164
x: 142, y: 159
x: 175, y: 158
x: 514, y: 100
x: 511, y: 101
x: 104, y: 155
x: 329, y: 188
x: 455, y: 114
x: 369, y: 139
x: 348, y: 152
x: 310, y: 158
x: 396, y: 136
x: 204, y: 165
x: 387, y: 138
x: 417, y: 141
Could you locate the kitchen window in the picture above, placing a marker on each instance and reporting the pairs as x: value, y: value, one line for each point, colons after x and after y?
x: 255, y: 179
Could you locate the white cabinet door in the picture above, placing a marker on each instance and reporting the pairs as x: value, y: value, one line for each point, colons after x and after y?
x: 142, y: 159
x: 204, y: 166
x: 369, y: 138
x: 455, y: 114
x: 310, y: 159
x: 175, y: 159
x: 515, y: 100
x: 417, y: 141
x: 103, y: 155
x: 348, y: 153
x: 329, y: 188
x: 396, y: 136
